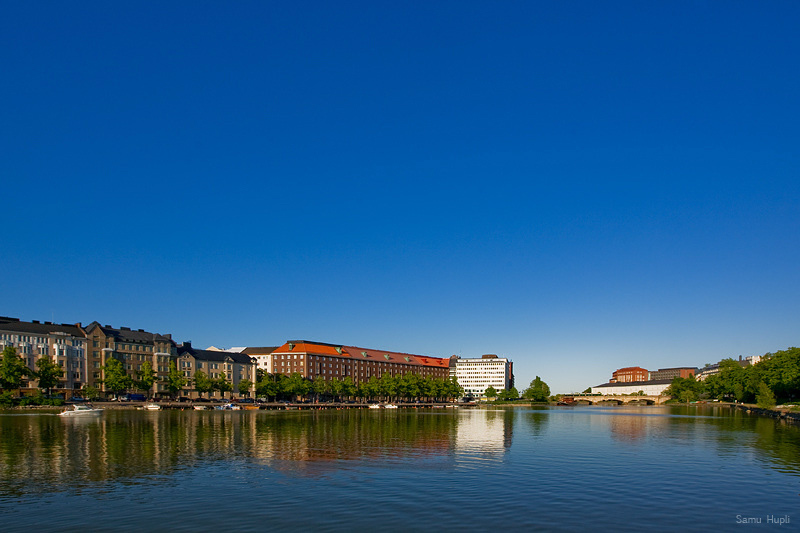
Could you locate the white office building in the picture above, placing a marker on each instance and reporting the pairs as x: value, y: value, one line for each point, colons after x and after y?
x: 477, y: 375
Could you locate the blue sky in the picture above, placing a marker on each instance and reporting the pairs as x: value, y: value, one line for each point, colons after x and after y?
x: 578, y: 186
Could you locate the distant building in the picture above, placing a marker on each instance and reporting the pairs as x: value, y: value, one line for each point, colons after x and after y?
x: 477, y: 375
x: 629, y: 374
x: 649, y: 388
x: 131, y: 348
x: 234, y: 367
x: 710, y: 370
x: 334, y: 361
x: 262, y: 355
x: 672, y: 373
x: 63, y: 344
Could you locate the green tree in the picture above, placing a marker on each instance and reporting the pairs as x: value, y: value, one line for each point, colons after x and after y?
x: 267, y: 387
x: 537, y: 391
x: 90, y: 392
x: 175, y: 379
x: 13, y: 369
x: 296, y: 386
x: 202, y: 383
x: 765, y: 398
x: 244, y: 387
x: 48, y: 374
x: 146, y: 378
x: 388, y: 386
x: 320, y: 387
x: 116, y: 380
x: 685, y: 389
x: 587, y: 391
x: 349, y: 388
x: 222, y: 384
x: 509, y: 394
x: 490, y: 392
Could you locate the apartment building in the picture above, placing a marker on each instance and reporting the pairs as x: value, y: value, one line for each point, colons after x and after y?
x: 477, y: 375
x: 63, y: 344
x: 132, y: 348
x: 234, y: 367
x: 335, y: 361
x: 262, y: 355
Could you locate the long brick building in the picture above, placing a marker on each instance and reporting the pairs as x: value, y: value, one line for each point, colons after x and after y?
x: 311, y: 359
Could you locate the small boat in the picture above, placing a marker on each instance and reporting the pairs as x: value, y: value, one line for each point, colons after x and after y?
x: 374, y: 406
x: 228, y: 407
x: 151, y: 407
x: 81, y: 410
x: 390, y: 406
x: 200, y: 408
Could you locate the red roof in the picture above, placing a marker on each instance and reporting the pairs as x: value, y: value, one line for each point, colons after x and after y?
x: 364, y: 354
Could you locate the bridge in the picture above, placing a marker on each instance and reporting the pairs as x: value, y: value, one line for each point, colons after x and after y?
x: 618, y: 399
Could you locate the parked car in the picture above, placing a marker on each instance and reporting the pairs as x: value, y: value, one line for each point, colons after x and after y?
x: 75, y: 399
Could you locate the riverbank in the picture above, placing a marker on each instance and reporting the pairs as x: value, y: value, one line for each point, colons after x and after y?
x: 783, y: 414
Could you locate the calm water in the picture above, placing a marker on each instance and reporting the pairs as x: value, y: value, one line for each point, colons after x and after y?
x: 552, y: 469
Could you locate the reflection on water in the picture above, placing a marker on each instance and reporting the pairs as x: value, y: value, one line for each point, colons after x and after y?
x: 46, y: 452
x: 367, y: 469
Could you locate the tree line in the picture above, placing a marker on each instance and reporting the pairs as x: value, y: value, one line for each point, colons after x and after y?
x: 408, y: 387
x: 775, y: 377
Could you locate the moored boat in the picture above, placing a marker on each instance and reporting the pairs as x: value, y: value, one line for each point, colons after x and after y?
x: 152, y: 407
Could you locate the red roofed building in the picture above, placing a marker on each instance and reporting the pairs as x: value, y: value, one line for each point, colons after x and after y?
x: 311, y: 359
x: 629, y: 374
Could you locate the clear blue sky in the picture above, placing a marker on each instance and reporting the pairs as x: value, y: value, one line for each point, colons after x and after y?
x: 578, y: 186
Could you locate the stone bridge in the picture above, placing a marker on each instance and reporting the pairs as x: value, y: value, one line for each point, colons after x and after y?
x: 618, y: 399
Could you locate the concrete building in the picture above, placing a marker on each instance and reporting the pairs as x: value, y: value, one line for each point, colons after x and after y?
x: 477, y: 375
x: 130, y: 347
x: 629, y: 374
x: 63, y: 344
x: 335, y: 361
x: 672, y: 373
x: 234, y: 367
x: 262, y: 355
x: 649, y: 388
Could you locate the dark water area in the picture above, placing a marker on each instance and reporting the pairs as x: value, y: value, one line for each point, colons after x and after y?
x: 547, y: 469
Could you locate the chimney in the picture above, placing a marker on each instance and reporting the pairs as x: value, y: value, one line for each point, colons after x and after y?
x: 36, y: 322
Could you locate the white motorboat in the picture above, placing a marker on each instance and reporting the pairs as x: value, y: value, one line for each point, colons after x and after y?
x: 81, y: 410
x: 200, y: 407
x: 390, y: 406
x: 152, y: 407
x: 374, y: 406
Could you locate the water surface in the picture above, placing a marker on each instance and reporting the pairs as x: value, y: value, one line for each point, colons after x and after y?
x: 553, y: 469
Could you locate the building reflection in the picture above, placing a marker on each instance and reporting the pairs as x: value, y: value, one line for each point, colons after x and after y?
x: 46, y: 452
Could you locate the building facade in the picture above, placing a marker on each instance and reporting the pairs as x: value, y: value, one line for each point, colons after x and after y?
x: 477, y: 375
x: 629, y: 374
x: 234, y: 367
x: 335, y: 361
x: 131, y: 348
x: 263, y: 357
x: 649, y: 388
x: 63, y: 344
x: 672, y: 373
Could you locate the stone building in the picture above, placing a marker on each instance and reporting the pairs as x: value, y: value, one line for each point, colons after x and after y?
x: 130, y: 347
x: 63, y: 344
x: 216, y: 364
